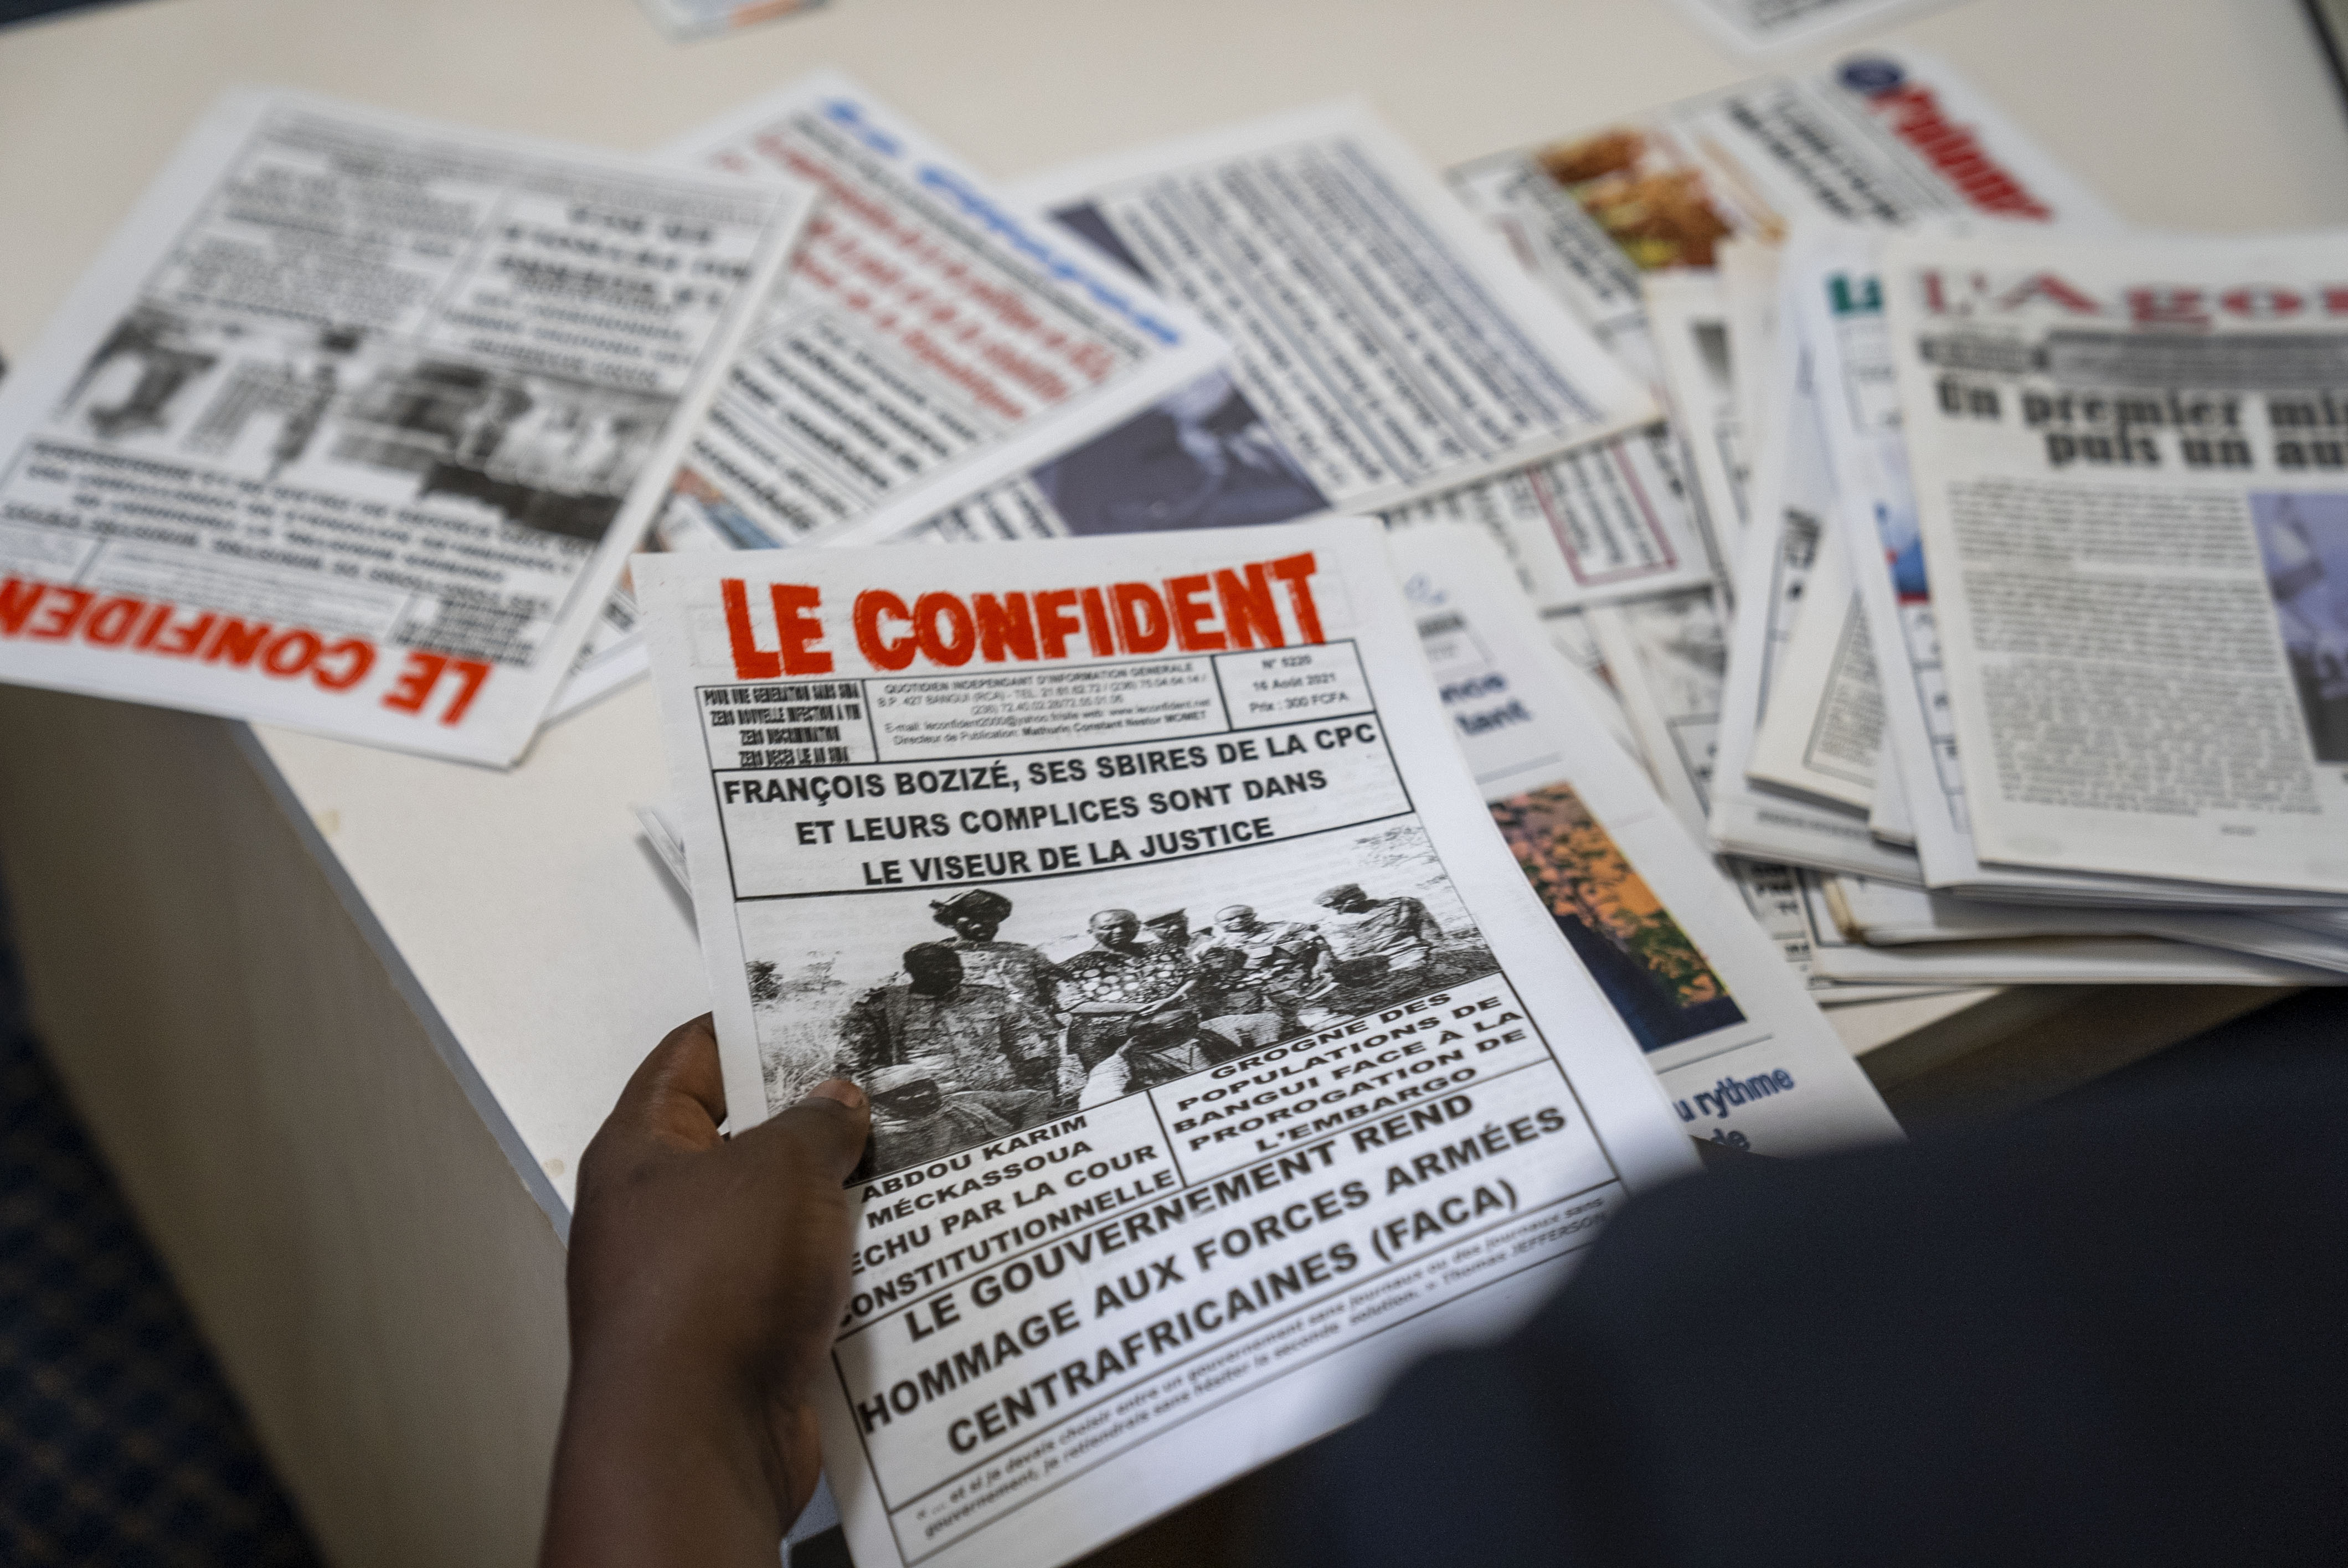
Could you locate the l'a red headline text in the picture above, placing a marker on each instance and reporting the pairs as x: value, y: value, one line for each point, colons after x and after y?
x: 1197, y: 612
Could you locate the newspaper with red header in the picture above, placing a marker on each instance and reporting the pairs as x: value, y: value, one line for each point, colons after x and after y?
x: 2132, y: 502
x: 930, y: 340
x: 1880, y: 136
x: 353, y: 423
x: 1223, y: 1056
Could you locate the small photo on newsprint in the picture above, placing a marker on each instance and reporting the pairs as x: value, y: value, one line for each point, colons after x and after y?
x: 2303, y: 540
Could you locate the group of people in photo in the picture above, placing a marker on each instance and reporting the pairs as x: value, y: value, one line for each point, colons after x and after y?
x: 981, y: 1036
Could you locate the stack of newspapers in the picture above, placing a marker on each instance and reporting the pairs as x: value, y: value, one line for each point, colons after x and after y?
x: 1456, y: 669
x: 2039, y: 668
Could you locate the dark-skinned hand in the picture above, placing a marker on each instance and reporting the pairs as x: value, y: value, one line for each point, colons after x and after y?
x: 707, y: 1276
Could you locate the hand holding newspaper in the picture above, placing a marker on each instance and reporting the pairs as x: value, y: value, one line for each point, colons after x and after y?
x: 1222, y: 1056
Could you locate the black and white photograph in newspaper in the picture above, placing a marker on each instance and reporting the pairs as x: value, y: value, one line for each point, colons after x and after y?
x: 2303, y: 540
x: 1003, y: 1009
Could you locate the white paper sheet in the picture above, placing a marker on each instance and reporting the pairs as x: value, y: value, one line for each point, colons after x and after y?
x: 1698, y: 350
x: 1823, y: 732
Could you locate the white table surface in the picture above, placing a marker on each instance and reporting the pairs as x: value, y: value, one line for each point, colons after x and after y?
x: 520, y: 909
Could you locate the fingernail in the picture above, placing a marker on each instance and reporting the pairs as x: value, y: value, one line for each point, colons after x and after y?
x: 839, y: 1089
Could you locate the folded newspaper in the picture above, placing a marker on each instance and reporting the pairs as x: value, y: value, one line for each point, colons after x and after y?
x: 1223, y: 1056
x: 353, y: 423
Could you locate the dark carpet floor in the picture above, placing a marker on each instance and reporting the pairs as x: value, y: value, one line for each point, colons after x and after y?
x: 119, y: 1445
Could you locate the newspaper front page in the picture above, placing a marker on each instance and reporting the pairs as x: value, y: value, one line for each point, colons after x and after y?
x: 354, y: 422
x: 1223, y: 1056
x: 1386, y: 405
x: 2127, y: 471
x: 929, y: 339
x: 1840, y: 312
x: 1742, y: 1051
x: 1880, y: 137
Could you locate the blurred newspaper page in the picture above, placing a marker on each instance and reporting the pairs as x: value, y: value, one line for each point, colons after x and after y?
x: 1841, y: 317
x: 1887, y: 816
x: 1748, y: 280
x: 1666, y: 654
x: 1884, y: 915
x: 1792, y: 502
x: 929, y: 340
x: 1822, y: 735
x: 1698, y: 349
x: 1568, y: 633
x: 1772, y: 27
x: 2047, y: 960
x: 1741, y: 1050
x: 1881, y: 136
x: 1435, y: 429
x: 2132, y: 489
x: 1663, y: 655
x: 1383, y: 333
x: 354, y: 422
x: 1609, y: 520
x: 1222, y: 1058
x: 1200, y: 457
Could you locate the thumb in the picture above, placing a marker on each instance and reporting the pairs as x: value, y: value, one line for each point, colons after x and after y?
x: 826, y: 1129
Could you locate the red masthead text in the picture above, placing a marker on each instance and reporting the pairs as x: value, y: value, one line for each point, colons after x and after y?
x: 1261, y: 604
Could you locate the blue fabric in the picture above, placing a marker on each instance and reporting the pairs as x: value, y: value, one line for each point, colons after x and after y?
x: 118, y: 1443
